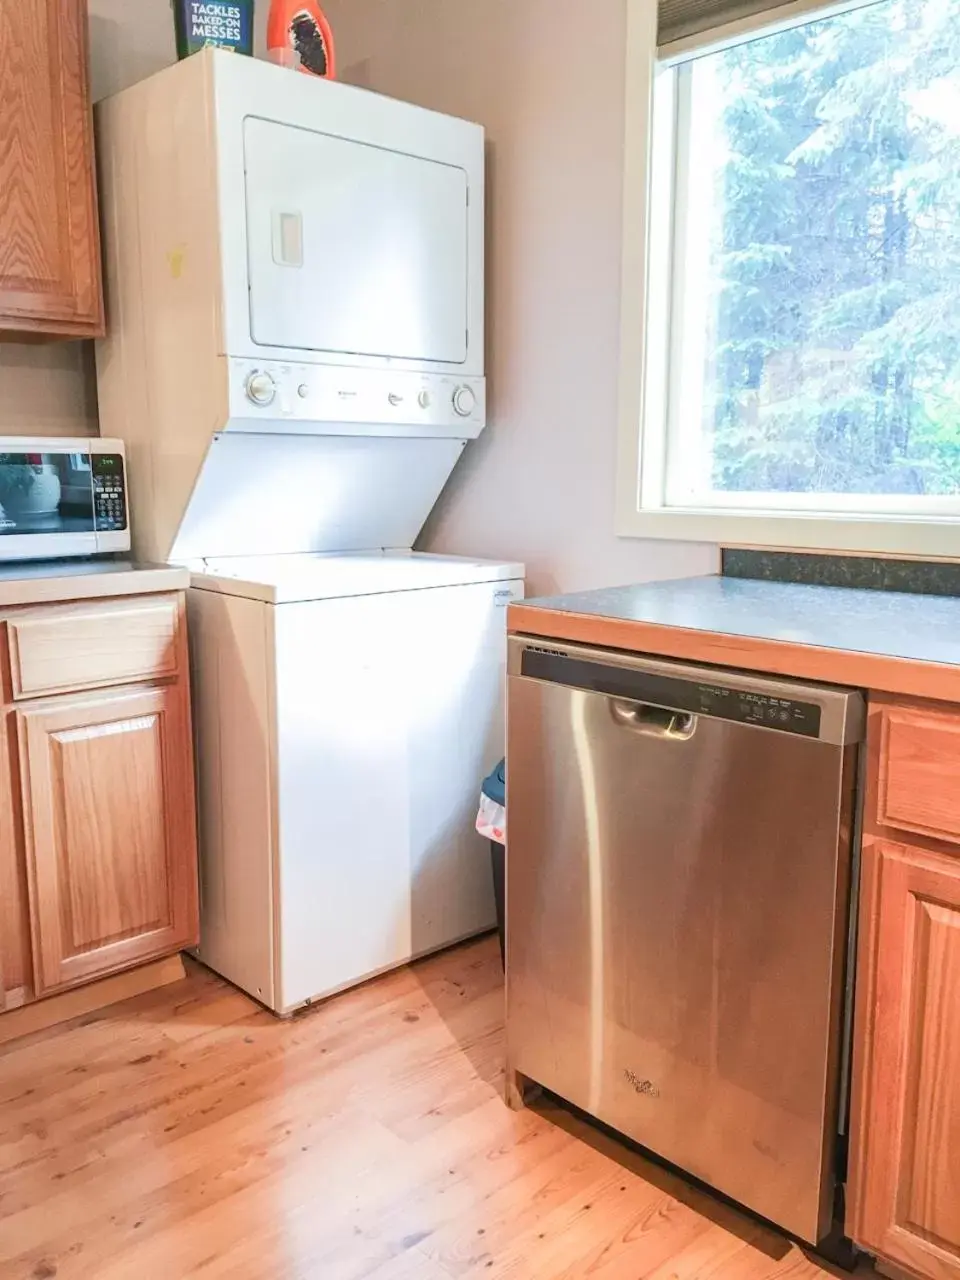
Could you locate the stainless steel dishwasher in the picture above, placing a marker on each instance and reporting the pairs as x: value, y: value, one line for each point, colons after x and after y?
x: 678, y: 878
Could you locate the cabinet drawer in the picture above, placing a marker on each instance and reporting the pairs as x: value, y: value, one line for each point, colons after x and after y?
x: 59, y: 650
x: 919, y: 783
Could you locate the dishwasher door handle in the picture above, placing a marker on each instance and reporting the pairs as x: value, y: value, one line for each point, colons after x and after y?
x: 653, y: 722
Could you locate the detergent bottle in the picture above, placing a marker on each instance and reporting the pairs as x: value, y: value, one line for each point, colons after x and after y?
x: 228, y: 24
x: 299, y: 35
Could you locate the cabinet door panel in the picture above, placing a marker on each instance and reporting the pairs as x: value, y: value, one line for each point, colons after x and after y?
x: 108, y: 796
x: 906, y: 1203
x: 931, y: 1157
x: 49, y: 239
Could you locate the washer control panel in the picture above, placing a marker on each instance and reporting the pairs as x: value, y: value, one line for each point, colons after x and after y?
x: 350, y: 401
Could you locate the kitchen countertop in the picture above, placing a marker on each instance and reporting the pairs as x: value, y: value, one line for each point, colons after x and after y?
x: 60, y: 581
x: 874, y: 639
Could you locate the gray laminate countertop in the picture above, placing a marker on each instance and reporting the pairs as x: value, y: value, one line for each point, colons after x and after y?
x: 919, y: 628
x: 61, y: 581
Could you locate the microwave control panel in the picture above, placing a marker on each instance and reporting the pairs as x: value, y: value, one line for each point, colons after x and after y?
x: 109, y: 493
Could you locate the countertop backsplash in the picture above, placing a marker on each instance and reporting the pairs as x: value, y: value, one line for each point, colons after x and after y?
x: 920, y: 577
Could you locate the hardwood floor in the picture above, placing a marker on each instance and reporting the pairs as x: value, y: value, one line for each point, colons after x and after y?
x: 188, y: 1133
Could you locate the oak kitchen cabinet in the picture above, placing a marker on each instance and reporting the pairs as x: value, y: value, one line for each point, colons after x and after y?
x: 905, y: 1173
x: 50, y: 276
x: 98, y: 857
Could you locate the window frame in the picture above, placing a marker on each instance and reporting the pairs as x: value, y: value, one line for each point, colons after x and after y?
x: 654, y: 220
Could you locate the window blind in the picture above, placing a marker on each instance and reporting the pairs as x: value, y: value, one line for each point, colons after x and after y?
x: 689, y: 23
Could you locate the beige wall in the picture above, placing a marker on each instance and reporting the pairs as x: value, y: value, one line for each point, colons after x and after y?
x: 546, y: 78
x: 47, y: 389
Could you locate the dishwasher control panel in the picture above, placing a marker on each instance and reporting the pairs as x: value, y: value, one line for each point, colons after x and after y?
x: 723, y: 702
x: 759, y: 709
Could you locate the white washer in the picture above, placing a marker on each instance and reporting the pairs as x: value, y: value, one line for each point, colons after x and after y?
x: 347, y: 707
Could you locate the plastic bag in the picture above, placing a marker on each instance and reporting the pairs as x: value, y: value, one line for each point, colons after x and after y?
x: 492, y: 820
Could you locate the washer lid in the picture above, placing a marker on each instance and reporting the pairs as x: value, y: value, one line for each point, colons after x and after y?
x: 287, y: 579
x: 287, y: 495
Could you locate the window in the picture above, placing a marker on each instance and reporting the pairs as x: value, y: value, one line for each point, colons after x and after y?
x: 803, y: 311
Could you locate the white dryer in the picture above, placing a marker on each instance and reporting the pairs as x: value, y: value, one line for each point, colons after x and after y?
x: 285, y: 257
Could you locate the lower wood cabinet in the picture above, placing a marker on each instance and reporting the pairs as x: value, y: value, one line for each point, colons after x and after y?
x: 98, y: 845
x: 908, y: 1202
x: 109, y: 840
x: 904, y: 1201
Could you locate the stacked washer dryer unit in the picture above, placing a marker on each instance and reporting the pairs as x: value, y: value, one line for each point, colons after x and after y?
x: 295, y: 360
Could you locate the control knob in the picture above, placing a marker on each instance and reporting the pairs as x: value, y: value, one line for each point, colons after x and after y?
x: 261, y: 388
x: 464, y: 401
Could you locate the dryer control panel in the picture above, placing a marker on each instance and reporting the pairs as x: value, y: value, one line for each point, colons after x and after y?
x: 322, y: 399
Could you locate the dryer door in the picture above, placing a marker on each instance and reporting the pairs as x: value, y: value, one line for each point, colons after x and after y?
x: 354, y: 249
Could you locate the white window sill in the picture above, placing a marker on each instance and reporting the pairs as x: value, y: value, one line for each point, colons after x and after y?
x: 930, y: 538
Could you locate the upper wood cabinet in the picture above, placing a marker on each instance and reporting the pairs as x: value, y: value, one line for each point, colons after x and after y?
x: 108, y: 804
x: 50, y: 277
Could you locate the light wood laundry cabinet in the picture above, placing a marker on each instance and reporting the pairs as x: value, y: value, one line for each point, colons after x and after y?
x: 98, y: 856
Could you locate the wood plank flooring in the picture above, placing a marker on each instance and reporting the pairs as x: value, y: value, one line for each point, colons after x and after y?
x: 187, y: 1133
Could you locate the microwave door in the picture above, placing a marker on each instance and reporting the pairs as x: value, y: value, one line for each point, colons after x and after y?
x: 354, y: 249
x: 45, y: 493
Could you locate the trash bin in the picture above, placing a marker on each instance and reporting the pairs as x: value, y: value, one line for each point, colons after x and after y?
x: 492, y: 823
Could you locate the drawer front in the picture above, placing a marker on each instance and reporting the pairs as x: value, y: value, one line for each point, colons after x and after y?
x: 919, y: 783
x: 89, y: 646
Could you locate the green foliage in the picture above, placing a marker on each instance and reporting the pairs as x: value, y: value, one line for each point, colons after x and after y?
x: 835, y: 339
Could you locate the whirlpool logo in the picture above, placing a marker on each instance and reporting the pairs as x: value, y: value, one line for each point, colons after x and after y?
x: 646, y: 1088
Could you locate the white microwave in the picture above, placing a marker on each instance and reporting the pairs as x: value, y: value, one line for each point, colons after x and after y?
x: 62, y: 497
